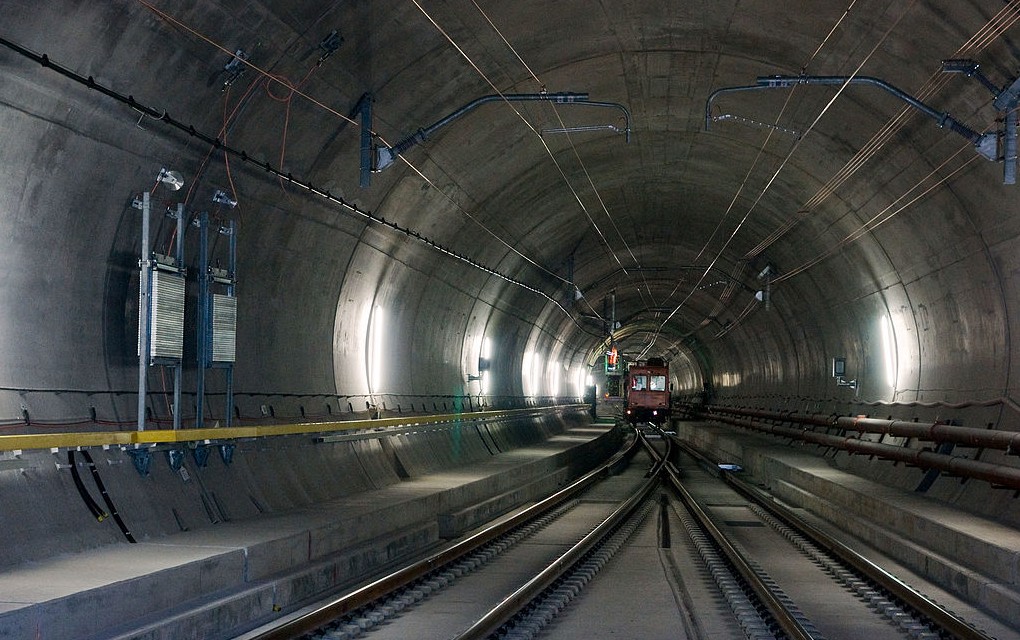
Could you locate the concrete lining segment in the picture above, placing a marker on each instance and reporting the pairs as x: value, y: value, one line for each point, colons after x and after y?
x: 247, y: 569
x: 972, y: 556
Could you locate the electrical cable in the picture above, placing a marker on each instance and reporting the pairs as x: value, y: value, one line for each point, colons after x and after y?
x: 541, y: 85
x: 782, y: 165
x: 1002, y: 21
x: 181, y: 25
x: 86, y: 497
x: 325, y: 194
x: 221, y: 133
x: 269, y: 76
x: 880, y: 218
x: 106, y: 497
x: 538, y: 135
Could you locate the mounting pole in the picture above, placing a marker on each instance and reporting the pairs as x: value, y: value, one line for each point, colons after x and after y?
x: 217, y: 314
x: 144, y: 309
x: 179, y: 365
x: 1007, y: 100
x: 203, y: 316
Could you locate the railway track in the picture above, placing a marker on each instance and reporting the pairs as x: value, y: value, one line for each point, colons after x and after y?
x: 450, y: 591
x: 801, y: 582
x: 716, y: 558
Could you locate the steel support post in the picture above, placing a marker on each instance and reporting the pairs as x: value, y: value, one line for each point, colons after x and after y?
x: 179, y: 366
x: 203, y: 316
x: 232, y: 293
x: 144, y: 311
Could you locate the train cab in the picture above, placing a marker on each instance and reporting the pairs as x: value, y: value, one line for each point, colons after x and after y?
x: 647, y: 392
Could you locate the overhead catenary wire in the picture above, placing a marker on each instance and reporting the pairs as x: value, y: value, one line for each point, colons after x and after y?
x: 275, y: 78
x: 768, y: 138
x: 570, y: 140
x: 577, y: 155
x: 783, y: 163
x: 163, y: 116
x: 883, y: 216
x: 740, y: 188
x: 538, y: 134
x: 994, y: 28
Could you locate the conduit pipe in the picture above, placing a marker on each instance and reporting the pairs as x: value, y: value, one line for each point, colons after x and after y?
x: 1008, y: 441
x: 997, y: 475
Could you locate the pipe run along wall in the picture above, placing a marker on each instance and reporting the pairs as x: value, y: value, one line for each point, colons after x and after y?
x: 997, y: 475
x: 1009, y: 441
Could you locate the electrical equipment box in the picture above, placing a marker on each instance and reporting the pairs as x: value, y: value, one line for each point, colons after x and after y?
x: 224, y: 327
x: 166, y: 326
x: 838, y: 367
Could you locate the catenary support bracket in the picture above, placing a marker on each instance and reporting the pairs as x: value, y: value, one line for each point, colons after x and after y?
x: 386, y: 155
x: 985, y: 144
x: 1007, y: 100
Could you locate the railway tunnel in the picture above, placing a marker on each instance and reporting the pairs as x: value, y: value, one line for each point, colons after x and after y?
x: 437, y: 218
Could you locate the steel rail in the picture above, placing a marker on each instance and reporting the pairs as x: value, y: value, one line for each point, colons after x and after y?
x: 490, y: 623
x: 782, y: 617
x: 339, y: 607
x: 858, y: 562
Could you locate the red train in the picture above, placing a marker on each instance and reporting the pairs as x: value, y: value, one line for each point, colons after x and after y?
x: 648, y: 392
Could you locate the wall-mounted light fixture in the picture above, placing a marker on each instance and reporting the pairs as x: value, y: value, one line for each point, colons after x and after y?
x: 839, y: 373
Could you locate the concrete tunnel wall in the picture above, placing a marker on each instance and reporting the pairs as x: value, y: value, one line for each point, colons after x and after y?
x: 262, y: 479
x: 310, y: 273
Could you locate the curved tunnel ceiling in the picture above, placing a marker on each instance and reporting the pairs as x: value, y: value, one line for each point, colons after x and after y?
x: 858, y: 206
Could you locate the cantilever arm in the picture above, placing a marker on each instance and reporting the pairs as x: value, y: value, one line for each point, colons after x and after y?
x: 719, y: 92
x: 386, y: 155
x: 984, y: 144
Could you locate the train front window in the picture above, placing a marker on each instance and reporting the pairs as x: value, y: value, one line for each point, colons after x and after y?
x: 639, y: 383
x: 657, y: 383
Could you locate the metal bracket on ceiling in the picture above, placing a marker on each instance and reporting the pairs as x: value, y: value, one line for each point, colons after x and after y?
x: 1006, y: 100
x: 385, y: 156
x: 329, y: 45
x: 985, y: 144
x: 235, y: 68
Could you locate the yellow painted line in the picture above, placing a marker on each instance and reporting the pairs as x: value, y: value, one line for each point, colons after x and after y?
x: 55, y: 440
x: 165, y: 436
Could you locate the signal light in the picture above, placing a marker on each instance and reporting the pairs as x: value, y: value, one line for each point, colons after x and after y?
x: 612, y: 360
